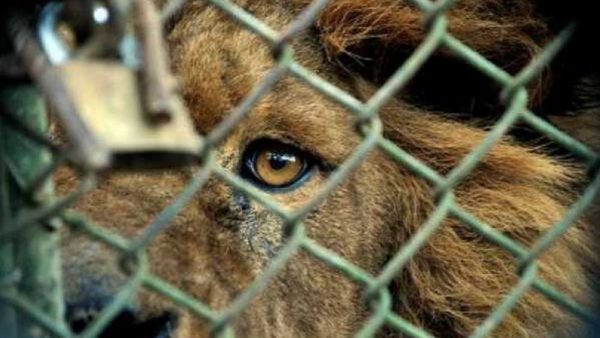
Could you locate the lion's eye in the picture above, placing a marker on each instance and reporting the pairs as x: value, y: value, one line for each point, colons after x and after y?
x: 272, y: 164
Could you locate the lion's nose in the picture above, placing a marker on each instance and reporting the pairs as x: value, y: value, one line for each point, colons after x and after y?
x: 126, y: 324
x: 81, y: 314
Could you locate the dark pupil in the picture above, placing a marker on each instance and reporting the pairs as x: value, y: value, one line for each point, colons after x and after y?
x: 278, y: 161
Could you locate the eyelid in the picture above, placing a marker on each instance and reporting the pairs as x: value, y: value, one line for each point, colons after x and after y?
x: 324, y: 162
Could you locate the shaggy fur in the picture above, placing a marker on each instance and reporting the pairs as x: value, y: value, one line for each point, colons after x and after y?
x: 221, y: 241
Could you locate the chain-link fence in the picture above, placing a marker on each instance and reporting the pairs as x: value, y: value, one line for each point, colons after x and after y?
x: 30, y: 292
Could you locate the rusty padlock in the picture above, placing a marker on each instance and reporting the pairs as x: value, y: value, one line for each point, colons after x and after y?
x: 106, y: 97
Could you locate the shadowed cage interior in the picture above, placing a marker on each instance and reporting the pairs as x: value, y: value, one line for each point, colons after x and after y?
x: 22, y: 226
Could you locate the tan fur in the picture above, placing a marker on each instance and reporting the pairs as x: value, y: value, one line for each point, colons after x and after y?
x: 214, y: 249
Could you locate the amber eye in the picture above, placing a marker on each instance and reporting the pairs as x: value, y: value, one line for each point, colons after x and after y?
x: 275, y: 165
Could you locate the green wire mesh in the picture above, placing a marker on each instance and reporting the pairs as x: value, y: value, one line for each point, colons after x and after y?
x: 514, y: 95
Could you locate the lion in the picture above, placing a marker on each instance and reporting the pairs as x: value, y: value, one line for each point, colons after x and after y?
x: 292, y: 141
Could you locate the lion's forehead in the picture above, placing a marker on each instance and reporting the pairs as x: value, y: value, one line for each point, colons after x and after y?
x: 221, y: 64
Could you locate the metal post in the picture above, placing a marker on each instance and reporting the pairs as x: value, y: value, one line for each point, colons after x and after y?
x: 29, y: 262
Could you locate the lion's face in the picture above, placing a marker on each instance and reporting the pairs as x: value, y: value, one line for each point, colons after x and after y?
x: 288, y: 147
